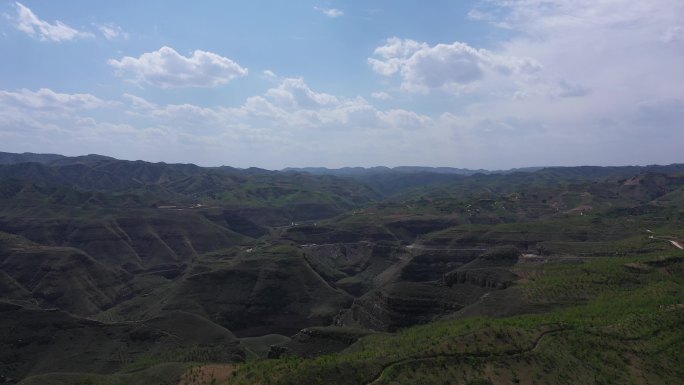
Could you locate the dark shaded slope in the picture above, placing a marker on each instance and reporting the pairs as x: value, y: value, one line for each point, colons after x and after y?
x: 274, y: 291
x: 36, y: 342
x: 58, y: 277
x: 135, y: 242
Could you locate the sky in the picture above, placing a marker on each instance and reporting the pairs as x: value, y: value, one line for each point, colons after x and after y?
x: 492, y: 84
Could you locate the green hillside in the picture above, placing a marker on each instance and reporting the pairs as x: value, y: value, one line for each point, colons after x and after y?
x: 116, y: 272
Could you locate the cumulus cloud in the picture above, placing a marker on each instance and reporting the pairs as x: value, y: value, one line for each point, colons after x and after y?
x: 288, y: 124
x: 56, y: 122
x: 46, y: 120
x: 27, y: 22
x: 448, y: 67
x: 606, y: 87
x: 294, y: 103
x: 609, y: 92
x: 295, y: 93
x: 166, y: 68
x: 588, y: 81
x: 291, y: 106
x: 330, y: 12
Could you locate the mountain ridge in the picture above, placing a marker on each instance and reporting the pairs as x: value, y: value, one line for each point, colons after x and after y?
x: 281, y: 264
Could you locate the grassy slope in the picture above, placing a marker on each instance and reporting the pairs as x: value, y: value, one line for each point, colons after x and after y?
x: 163, y: 374
x: 40, y: 342
x: 615, y: 319
x: 621, y: 324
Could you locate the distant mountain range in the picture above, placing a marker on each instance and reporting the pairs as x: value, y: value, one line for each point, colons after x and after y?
x: 255, y: 185
x: 12, y: 158
x: 8, y: 158
x: 361, y: 171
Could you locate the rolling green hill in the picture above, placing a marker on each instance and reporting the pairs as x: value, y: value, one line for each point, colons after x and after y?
x: 120, y: 272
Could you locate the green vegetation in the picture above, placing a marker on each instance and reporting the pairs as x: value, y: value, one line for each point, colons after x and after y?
x: 626, y: 330
x: 116, y: 272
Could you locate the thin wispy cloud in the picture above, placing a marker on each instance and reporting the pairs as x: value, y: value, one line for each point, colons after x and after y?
x: 381, y: 95
x: 111, y: 31
x: 27, y: 22
x: 330, y: 12
x: 47, y: 99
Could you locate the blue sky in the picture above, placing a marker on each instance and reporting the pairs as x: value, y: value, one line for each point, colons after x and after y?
x: 479, y: 84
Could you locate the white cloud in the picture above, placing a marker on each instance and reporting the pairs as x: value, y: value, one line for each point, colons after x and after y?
x: 616, y: 49
x: 381, y: 95
x: 167, y: 68
x: 542, y: 17
x: 293, y: 103
x: 112, y: 31
x: 46, y: 99
x: 294, y: 93
x: 71, y: 124
x: 479, y: 15
x: 27, y: 22
x: 405, y: 119
x: 394, y: 54
x: 269, y: 73
x: 187, y: 112
x: 449, y: 67
x: 139, y: 103
x: 330, y: 12
x: 609, y: 92
x: 288, y: 124
x: 291, y: 106
x: 490, y: 18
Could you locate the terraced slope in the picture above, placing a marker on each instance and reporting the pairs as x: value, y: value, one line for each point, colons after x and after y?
x: 117, y: 272
x: 623, y: 328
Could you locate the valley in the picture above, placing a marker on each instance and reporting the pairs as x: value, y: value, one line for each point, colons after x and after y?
x: 128, y: 272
